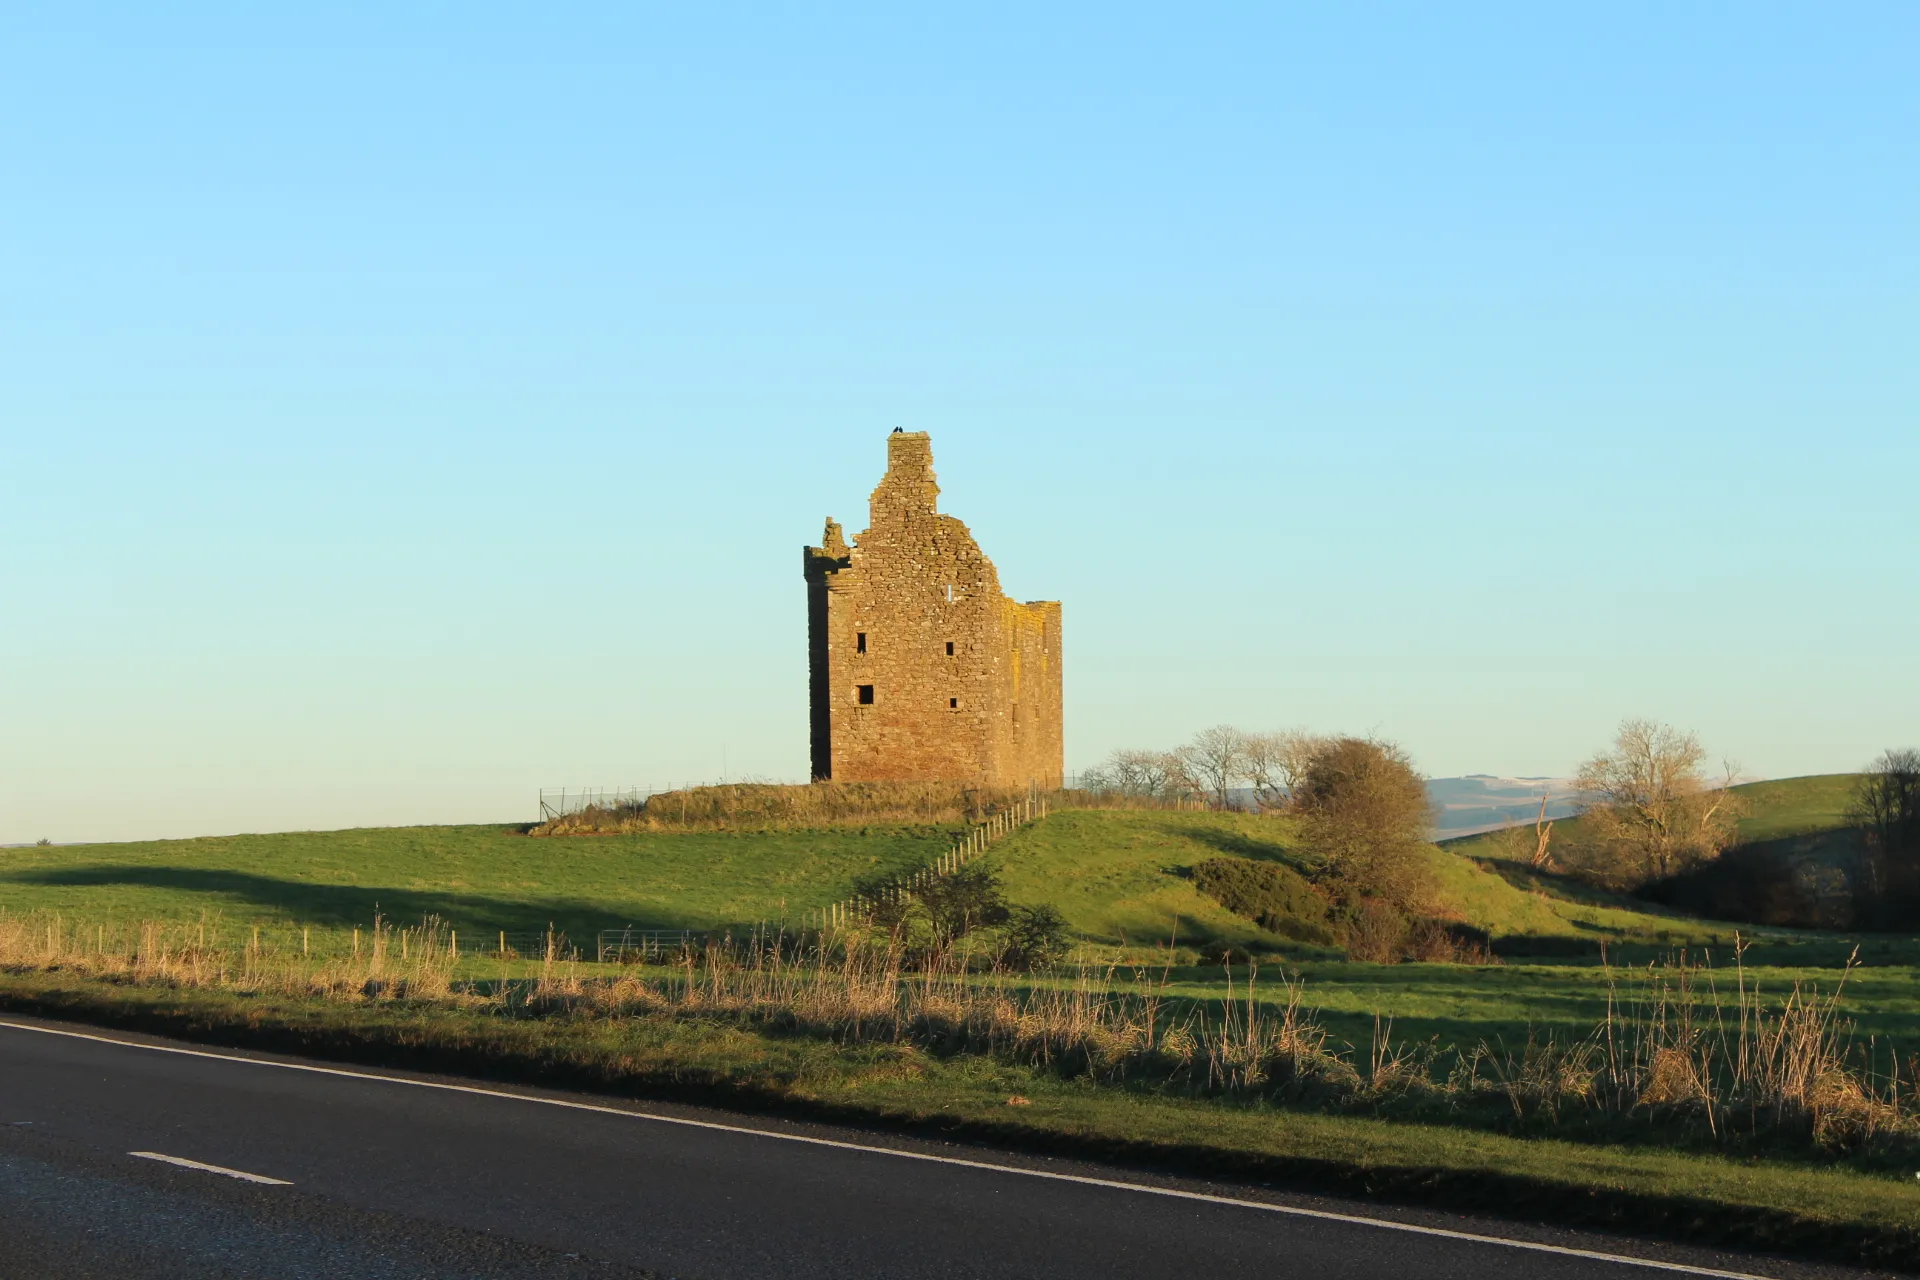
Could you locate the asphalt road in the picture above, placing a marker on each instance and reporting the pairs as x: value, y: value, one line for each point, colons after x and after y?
x: 381, y: 1174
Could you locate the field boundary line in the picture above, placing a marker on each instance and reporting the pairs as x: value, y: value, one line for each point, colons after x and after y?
x: 1114, y: 1184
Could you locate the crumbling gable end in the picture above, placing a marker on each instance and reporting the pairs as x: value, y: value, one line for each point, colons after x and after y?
x: 919, y: 667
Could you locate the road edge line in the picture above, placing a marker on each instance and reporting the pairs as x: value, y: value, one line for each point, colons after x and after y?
x: 1386, y: 1224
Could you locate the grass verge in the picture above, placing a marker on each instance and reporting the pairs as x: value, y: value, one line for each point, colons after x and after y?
x: 1835, y: 1213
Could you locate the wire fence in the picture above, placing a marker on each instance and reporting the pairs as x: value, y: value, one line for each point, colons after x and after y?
x: 644, y: 946
x: 559, y: 802
x: 511, y: 944
x: 630, y: 945
x: 971, y: 846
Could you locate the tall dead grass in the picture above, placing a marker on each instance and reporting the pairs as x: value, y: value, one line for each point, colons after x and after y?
x: 763, y: 805
x: 381, y: 961
x: 1682, y: 1045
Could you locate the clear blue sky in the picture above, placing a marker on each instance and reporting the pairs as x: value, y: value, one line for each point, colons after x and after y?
x: 404, y: 407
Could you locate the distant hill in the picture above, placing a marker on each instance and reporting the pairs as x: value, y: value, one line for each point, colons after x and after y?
x: 1787, y: 865
x: 1778, y: 809
x: 1485, y: 802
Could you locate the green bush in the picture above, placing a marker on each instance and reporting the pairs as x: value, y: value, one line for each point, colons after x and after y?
x: 1037, y: 937
x: 1275, y: 897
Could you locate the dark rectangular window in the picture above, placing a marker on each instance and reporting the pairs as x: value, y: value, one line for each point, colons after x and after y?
x: 954, y: 703
x: 866, y: 694
x: 949, y: 648
x: 859, y: 642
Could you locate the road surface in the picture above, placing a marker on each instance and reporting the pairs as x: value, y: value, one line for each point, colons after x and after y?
x: 127, y: 1156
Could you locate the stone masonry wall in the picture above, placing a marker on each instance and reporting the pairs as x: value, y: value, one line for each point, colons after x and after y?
x: 919, y: 667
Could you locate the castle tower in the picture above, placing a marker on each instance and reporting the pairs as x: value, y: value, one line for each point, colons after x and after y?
x: 919, y: 668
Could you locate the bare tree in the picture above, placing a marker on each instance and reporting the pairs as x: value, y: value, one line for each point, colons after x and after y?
x: 1365, y: 814
x: 1181, y: 779
x: 1541, y: 860
x: 1277, y: 761
x: 1150, y: 775
x: 1529, y: 845
x: 1649, y: 811
x: 1217, y: 758
x: 1886, y: 807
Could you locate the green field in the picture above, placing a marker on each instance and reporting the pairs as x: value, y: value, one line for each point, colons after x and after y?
x: 476, y: 878
x: 1119, y: 877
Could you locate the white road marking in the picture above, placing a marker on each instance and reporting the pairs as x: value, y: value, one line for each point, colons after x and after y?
x: 1114, y: 1184
x: 185, y: 1163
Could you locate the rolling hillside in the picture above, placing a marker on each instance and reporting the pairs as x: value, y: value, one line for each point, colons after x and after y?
x: 1120, y: 878
x: 1776, y: 809
x: 477, y: 878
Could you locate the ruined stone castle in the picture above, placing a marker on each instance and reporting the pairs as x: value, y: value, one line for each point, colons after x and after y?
x: 920, y: 669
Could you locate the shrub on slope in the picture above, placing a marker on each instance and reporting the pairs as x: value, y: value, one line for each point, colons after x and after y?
x: 1273, y: 896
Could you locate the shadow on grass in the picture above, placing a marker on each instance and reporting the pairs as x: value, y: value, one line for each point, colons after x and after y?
x: 347, y: 905
x: 1241, y: 845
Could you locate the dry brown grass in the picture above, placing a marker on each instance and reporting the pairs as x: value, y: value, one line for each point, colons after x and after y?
x: 379, y: 962
x: 763, y: 806
x: 1675, y: 1047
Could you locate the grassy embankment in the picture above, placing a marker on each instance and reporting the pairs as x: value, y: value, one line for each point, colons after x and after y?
x: 881, y: 1051
x: 1833, y: 1212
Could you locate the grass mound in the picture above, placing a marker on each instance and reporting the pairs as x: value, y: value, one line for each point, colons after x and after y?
x: 776, y: 806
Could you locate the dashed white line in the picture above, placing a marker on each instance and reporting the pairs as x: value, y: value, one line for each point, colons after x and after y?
x: 1113, y: 1184
x: 221, y: 1169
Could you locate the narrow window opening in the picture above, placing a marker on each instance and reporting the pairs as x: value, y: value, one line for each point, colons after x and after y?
x: 859, y: 642
x: 866, y: 694
x: 949, y: 593
x: 954, y: 703
x: 949, y: 648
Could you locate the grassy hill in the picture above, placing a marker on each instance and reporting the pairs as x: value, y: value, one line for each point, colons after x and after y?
x: 1119, y: 877
x: 1788, y: 865
x: 1795, y: 806
x: 479, y: 878
x: 1779, y: 809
